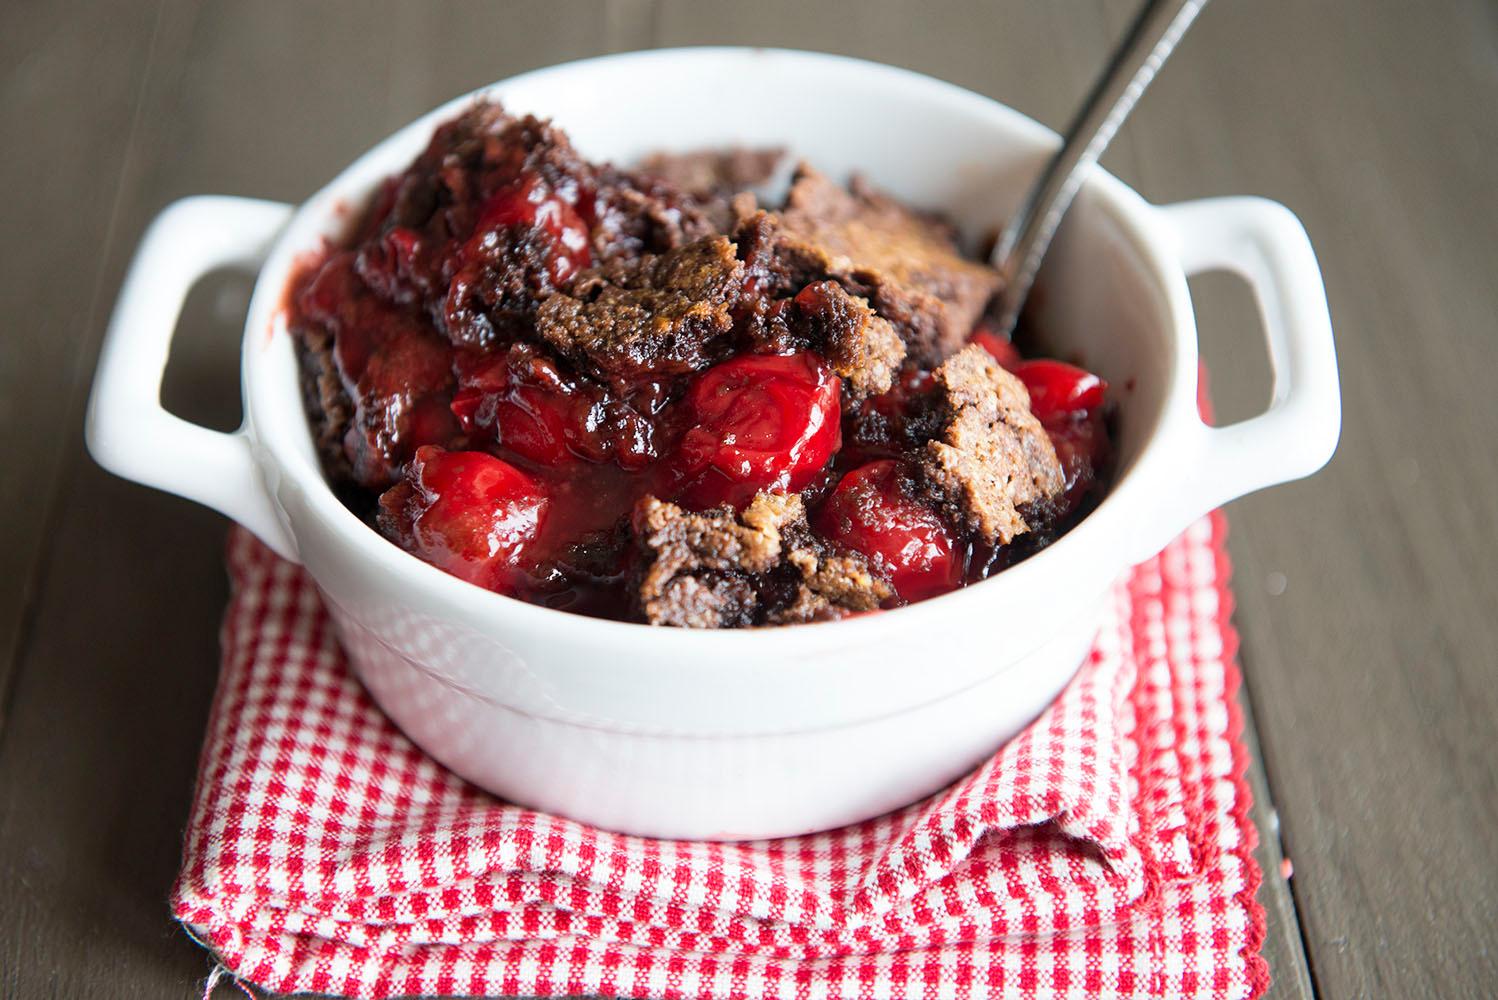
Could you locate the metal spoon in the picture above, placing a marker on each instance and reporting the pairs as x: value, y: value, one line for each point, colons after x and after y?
x: 1145, y: 47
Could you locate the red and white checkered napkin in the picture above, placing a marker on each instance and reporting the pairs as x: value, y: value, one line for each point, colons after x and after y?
x: 1104, y: 852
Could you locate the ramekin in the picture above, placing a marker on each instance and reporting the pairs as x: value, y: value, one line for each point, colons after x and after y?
x: 775, y: 731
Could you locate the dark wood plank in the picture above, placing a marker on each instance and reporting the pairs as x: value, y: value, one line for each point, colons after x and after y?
x: 64, y: 183
x: 1366, y: 594
x: 1283, y: 949
x: 127, y: 111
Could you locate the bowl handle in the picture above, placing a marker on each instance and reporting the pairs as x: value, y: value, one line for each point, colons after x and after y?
x: 128, y: 431
x: 1262, y: 242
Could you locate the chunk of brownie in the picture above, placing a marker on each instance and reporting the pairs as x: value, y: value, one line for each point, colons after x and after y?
x: 637, y: 214
x: 500, y: 212
x: 860, y: 346
x: 720, y: 172
x: 830, y: 586
x: 443, y: 179
x: 702, y: 566
x: 329, y: 409
x: 439, y: 239
x: 992, y: 461
x: 906, y: 264
x: 529, y: 233
x: 664, y: 314
x: 716, y: 569
x: 714, y: 176
x: 857, y: 343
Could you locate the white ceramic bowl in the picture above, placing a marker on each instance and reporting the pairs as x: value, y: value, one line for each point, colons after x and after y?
x: 775, y: 731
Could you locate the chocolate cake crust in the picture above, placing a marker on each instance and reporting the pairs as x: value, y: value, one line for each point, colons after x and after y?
x: 906, y: 264
x: 661, y: 315
x: 716, y: 569
x: 991, y: 459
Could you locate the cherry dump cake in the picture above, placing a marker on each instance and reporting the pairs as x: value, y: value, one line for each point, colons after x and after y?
x: 638, y: 394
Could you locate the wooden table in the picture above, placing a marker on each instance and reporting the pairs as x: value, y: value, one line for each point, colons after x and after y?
x: 1367, y: 596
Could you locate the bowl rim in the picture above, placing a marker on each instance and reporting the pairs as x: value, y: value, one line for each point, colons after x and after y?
x: 287, y: 468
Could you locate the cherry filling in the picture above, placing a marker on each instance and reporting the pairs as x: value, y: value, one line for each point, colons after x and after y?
x: 757, y: 422
x: 1068, y: 402
x: 1059, y: 391
x: 525, y: 228
x: 1082, y: 447
x: 530, y: 204
x: 465, y: 512
x: 395, y: 370
x: 1002, y: 349
x: 523, y: 402
x: 871, y: 512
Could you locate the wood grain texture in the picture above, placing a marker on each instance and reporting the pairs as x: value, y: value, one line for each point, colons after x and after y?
x: 1366, y: 595
x: 50, y: 289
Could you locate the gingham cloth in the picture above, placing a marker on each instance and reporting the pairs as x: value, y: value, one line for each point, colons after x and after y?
x: 1105, y: 852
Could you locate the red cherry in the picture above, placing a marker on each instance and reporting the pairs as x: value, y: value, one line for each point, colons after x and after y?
x: 401, y: 265
x: 397, y: 373
x: 759, y: 422
x: 1081, y: 445
x: 1059, y: 390
x: 527, y: 242
x: 1003, y: 351
x: 467, y: 513
x: 905, y: 540
x: 530, y: 204
x: 909, y: 386
x: 526, y: 404
x: 521, y: 414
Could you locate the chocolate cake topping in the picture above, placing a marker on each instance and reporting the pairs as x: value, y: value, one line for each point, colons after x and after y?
x: 992, y: 457
x: 715, y: 569
x: 637, y: 214
x: 908, y: 265
x: 714, y: 172
x: 327, y: 402
x: 661, y: 315
x: 860, y: 346
x: 712, y: 176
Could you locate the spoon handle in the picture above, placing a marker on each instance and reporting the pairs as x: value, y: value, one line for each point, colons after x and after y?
x: 1148, y: 42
